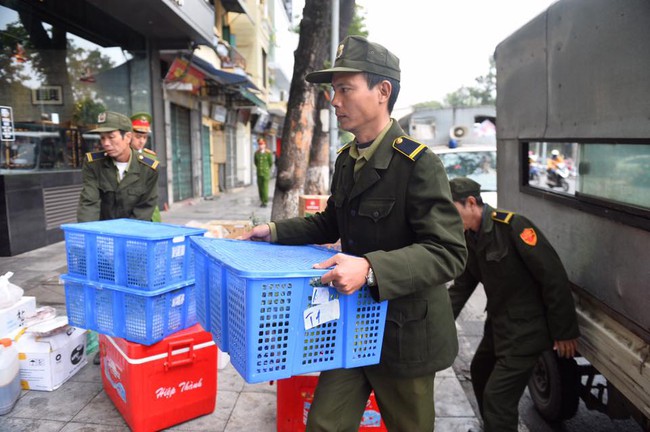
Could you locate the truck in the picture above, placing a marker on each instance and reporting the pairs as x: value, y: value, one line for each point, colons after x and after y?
x: 573, y: 85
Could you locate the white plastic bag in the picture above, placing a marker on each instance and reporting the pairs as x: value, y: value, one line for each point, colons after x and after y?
x: 9, y: 293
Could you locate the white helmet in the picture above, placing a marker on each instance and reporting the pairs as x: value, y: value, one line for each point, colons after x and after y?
x: 555, y: 153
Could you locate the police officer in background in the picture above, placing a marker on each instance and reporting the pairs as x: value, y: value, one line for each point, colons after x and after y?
x: 118, y: 182
x: 264, y: 164
x: 141, y: 124
x: 529, y: 304
x: 400, y: 234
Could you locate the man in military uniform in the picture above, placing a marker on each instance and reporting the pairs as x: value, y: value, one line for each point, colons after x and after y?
x: 400, y: 234
x: 118, y: 182
x: 529, y: 304
x: 141, y: 124
x: 263, y: 163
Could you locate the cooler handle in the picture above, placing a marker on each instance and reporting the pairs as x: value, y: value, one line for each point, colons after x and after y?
x: 176, y: 345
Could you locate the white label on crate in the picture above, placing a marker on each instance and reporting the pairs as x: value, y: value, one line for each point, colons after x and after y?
x: 320, y: 295
x: 178, y: 239
x: 178, y: 251
x: 322, y: 313
x: 178, y: 300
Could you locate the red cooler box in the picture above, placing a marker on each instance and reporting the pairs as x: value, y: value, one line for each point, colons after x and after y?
x: 160, y: 385
x: 295, y: 395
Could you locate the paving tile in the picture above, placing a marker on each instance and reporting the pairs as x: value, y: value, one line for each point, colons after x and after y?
x: 451, y: 400
x: 100, y: 411
x: 217, y: 420
x: 253, y: 412
x: 85, y: 427
x: 61, y: 405
x: 455, y: 424
x: 29, y: 425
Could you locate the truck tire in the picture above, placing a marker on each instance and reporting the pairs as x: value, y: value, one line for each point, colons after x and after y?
x: 554, y: 387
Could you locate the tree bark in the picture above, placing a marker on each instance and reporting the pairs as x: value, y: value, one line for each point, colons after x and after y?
x: 299, y: 123
x: 318, y: 173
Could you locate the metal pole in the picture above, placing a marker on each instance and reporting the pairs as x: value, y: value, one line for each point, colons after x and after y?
x: 334, y: 130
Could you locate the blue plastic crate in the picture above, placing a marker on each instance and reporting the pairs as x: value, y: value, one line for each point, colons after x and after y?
x: 137, y: 316
x: 254, y: 297
x: 132, y: 253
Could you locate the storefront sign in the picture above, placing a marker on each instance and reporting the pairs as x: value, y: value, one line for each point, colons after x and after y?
x: 47, y: 95
x: 181, y: 72
x: 7, y: 121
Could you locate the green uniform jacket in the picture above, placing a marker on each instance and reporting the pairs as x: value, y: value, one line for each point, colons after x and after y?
x: 264, y: 162
x: 399, y: 215
x: 529, y: 301
x: 103, y: 198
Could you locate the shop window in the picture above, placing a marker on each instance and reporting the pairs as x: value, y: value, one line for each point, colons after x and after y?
x: 57, y: 83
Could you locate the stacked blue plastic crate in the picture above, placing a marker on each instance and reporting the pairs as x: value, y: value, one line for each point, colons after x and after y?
x: 129, y: 278
x: 258, y: 301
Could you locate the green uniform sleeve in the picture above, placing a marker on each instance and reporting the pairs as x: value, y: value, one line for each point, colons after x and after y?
x: 546, y: 267
x: 89, y: 205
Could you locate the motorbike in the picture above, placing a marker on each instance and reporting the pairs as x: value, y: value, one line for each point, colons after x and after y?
x: 534, y: 173
x: 558, y: 177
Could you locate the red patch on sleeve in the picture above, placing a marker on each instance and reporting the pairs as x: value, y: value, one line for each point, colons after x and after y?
x: 529, y: 236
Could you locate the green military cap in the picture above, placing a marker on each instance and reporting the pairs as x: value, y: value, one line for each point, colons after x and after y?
x: 357, y: 54
x: 463, y: 187
x: 109, y: 121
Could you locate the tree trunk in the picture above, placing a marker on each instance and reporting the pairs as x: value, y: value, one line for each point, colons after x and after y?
x: 299, y: 123
x: 318, y: 173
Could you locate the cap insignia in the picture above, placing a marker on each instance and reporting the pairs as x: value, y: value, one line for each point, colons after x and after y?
x: 101, y: 118
x: 339, y: 50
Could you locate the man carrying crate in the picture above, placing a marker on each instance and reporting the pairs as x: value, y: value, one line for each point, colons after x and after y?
x: 400, y: 234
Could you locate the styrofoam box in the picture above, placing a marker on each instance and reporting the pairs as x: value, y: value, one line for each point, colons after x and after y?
x: 256, y: 300
x: 131, y: 253
x: 13, y: 317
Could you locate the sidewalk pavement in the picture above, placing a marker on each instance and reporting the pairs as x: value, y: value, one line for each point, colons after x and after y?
x: 81, y: 404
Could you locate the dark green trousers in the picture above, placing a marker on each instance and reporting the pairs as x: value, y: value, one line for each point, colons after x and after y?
x: 406, y: 404
x: 498, y: 385
x: 263, y: 188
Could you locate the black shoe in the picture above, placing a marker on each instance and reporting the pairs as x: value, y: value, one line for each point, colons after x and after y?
x: 96, y: 359
x: 263, y: 205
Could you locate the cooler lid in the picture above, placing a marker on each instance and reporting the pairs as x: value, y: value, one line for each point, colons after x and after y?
x: 180, y: 342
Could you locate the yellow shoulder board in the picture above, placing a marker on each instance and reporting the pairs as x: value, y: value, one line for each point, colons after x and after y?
x: 343, y: 148
x: 93, y: 156
x: 409, y: 148
x: 151, y: 152
x: 502, y: 216
x: 150, y: 162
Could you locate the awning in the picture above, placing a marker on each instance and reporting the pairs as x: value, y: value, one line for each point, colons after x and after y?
x: 223, y: 77
x: 252, y: 97
x: 236, y: 6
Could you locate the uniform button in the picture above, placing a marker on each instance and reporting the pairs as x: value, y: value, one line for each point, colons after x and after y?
x: 398, y: 141
x: 353, y: 213
x: 375, y: 214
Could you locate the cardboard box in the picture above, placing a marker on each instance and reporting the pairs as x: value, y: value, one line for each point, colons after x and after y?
x: 228, y: 228
x: 223, y: 228
x: 48, y: 362
x: 13, y: 317
x: 311, y: 204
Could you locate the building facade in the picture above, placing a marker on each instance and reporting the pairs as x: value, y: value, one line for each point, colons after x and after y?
x: 64, y: 62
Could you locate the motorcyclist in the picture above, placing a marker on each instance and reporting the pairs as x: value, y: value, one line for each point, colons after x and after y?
x: 552, y: 165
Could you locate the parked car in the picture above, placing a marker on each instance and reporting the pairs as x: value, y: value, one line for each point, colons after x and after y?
x: 476, y: 162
